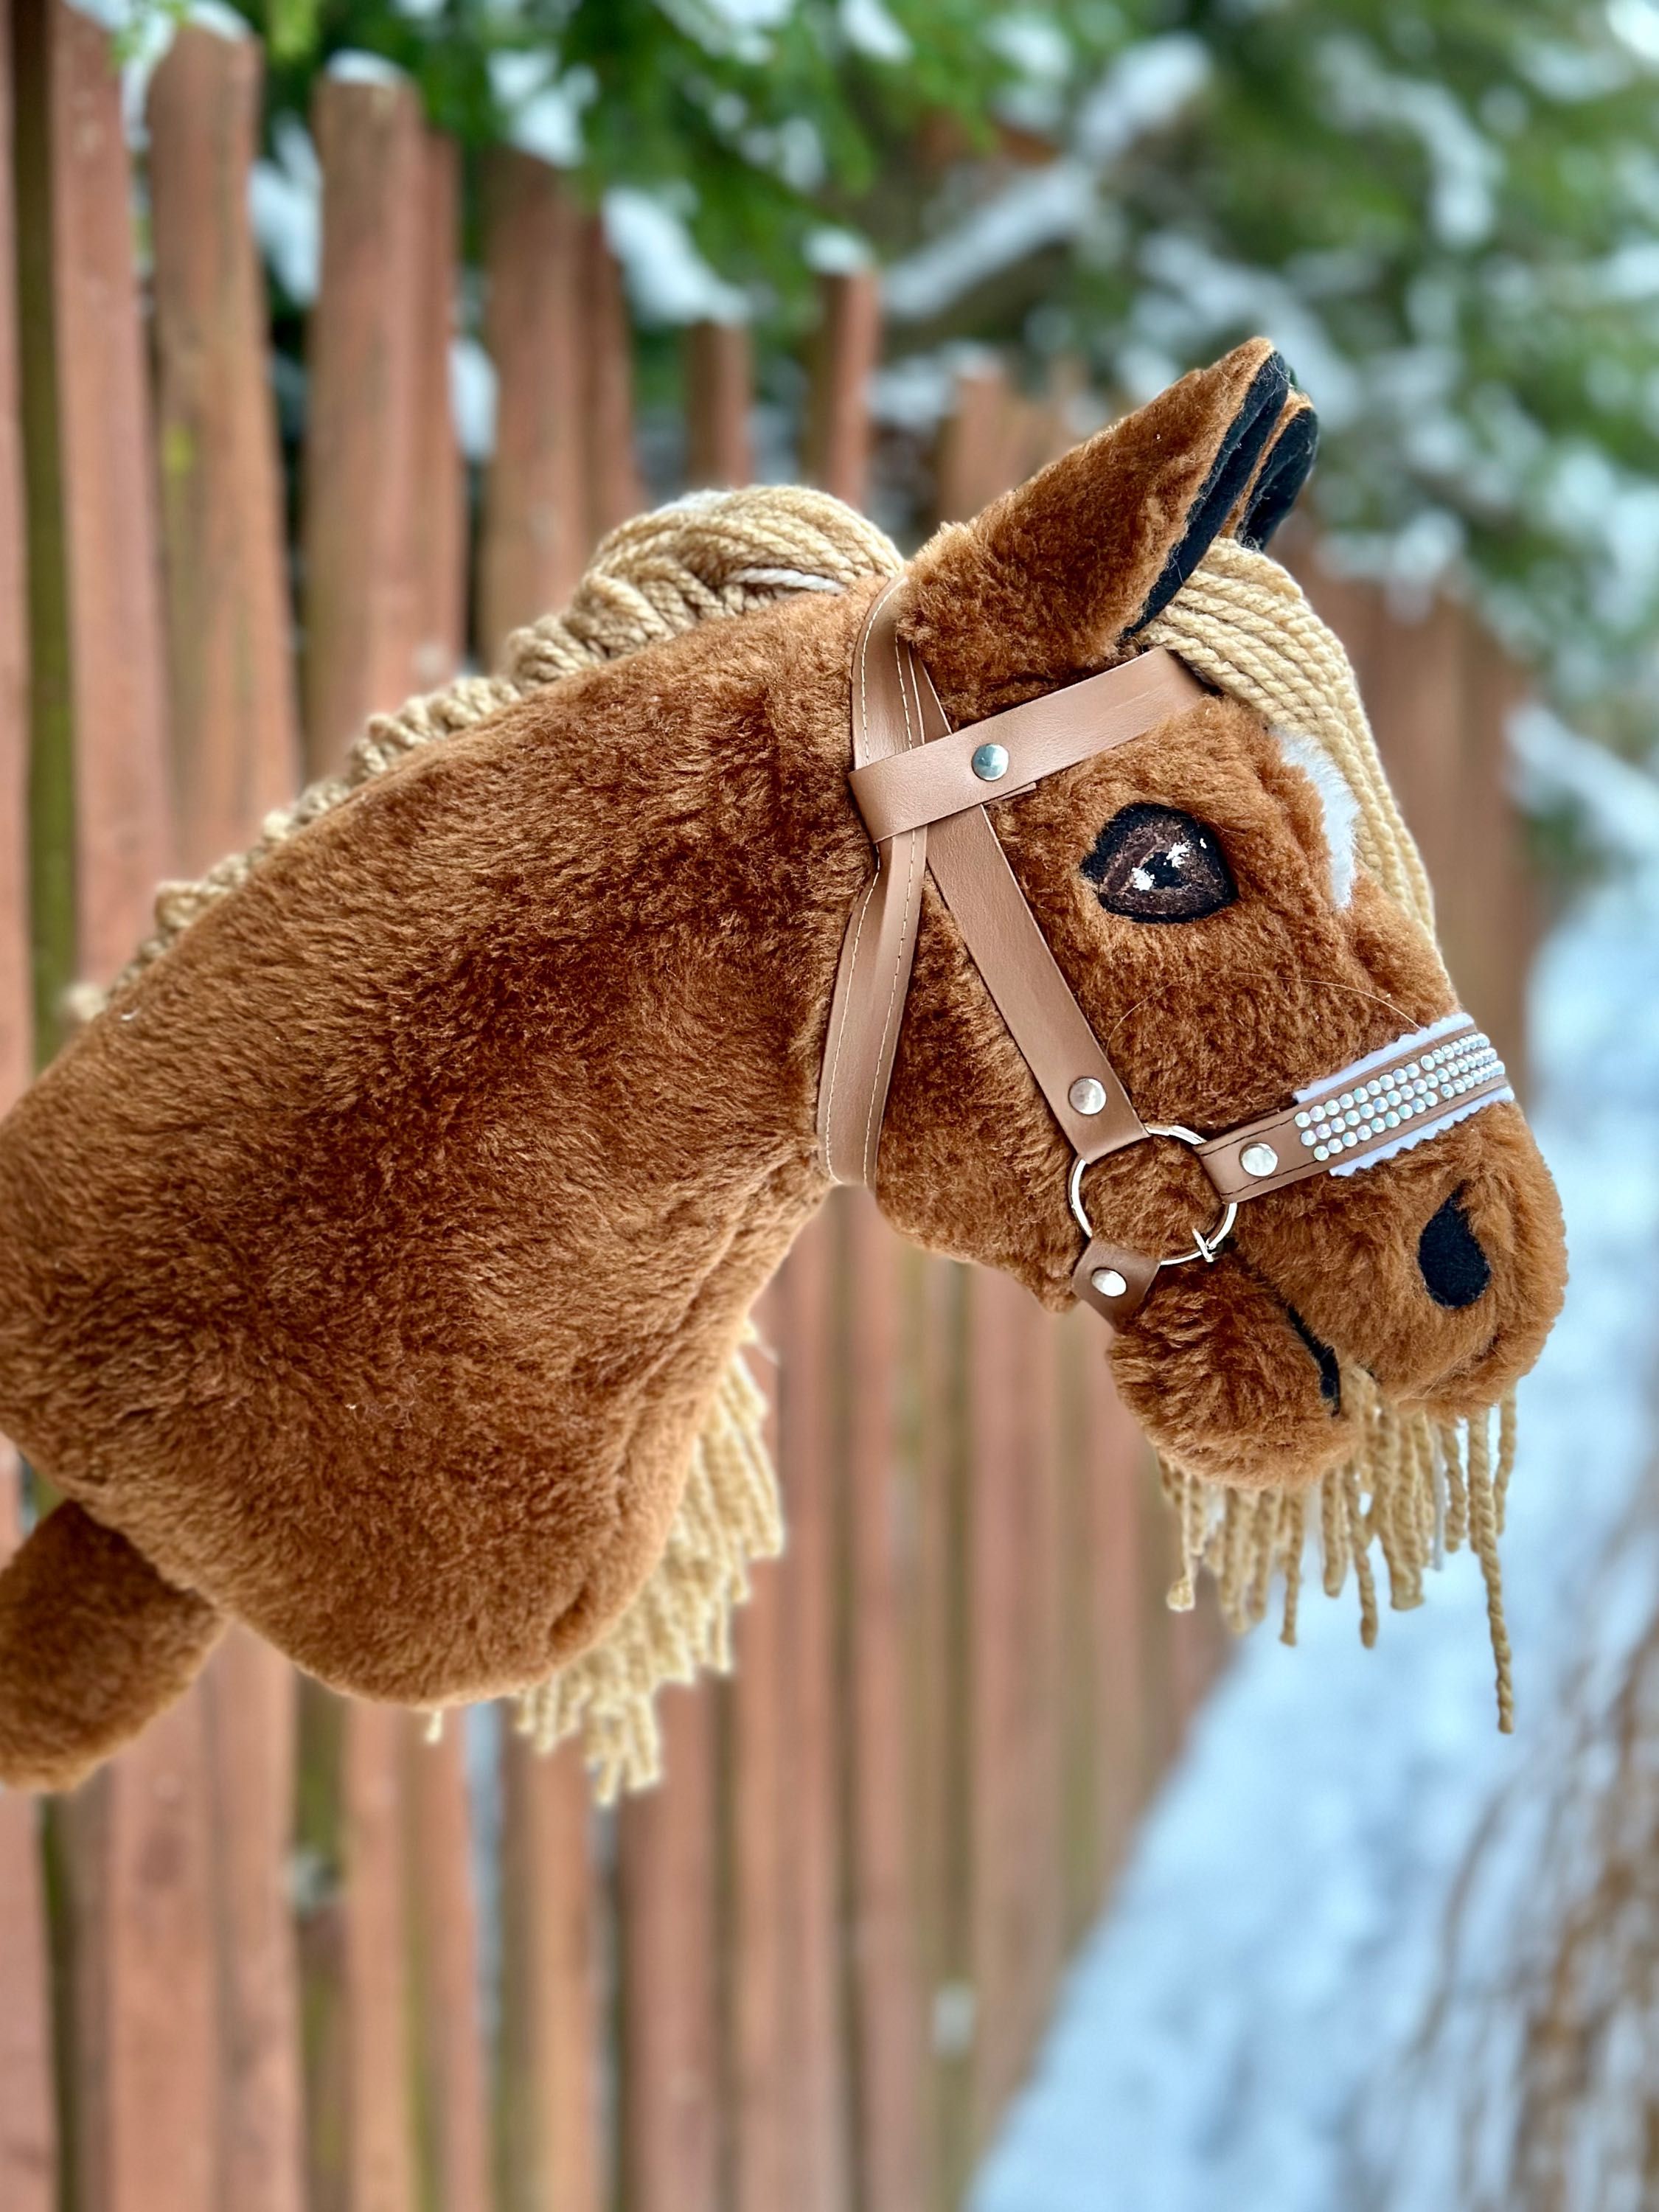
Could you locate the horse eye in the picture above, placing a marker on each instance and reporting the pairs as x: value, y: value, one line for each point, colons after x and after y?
x: 1154, y: 864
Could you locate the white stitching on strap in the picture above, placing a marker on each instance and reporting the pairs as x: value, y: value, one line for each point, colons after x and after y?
x: 869, y: 889
x: 872, y: 1121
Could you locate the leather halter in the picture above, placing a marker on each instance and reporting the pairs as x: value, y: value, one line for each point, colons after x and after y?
x: 922, y: 790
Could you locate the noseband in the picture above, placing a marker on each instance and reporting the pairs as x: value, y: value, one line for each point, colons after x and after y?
x: 923, y: 790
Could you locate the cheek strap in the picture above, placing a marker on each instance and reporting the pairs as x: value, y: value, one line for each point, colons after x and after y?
x: 922, y: 790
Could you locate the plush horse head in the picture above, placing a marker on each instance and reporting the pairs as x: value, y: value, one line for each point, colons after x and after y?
x: 371, y: 1269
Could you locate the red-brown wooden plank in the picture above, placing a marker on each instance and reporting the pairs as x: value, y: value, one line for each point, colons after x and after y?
x: 1041, y: 1649
x: 453, y: 2107
x: 379, y: 2162
x: 672, y: 2077
x: 234, y: 755
x: 251, y: 1717
x: 551, y: 2144
x: 846, y: 351
x: 1502, y: 897
x: 439, y: 521
x: 614, y: 487
x: 16, y: 1023
x: 889, y: 2012
x: 146, y: 2013
x: 235, y: 725
x: 123, y: 829
x: 535, y: 535
x: 973, y: 460
x: 808, y: 1418
x: 719, y: 375
x: 998, y: 1578
x: 361, y: 598
x: 452, y: 2104
x: 1115, y: 1496
x: 671, y: 2135
x: 757, y: 1877
x: 942, y: 1635
x: 28, y: 2122
x: 787, y: 2060
x: 28, y: 2135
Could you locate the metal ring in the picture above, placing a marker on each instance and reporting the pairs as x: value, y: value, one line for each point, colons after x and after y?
x: 1204, y: 1248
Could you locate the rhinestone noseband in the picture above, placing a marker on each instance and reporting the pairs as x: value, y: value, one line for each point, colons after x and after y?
x: 923, y: 790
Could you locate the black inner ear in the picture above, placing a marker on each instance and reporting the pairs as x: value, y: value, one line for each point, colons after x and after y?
x: 1283, y: 474
x: 1229, y: 472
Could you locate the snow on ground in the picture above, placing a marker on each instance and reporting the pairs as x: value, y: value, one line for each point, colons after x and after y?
x: 1224, y: 2039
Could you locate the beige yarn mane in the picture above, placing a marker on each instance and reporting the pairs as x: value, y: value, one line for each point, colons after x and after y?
x: 1415, y: 1488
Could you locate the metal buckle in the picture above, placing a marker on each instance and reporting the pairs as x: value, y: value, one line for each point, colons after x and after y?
x: 1204, y: 1248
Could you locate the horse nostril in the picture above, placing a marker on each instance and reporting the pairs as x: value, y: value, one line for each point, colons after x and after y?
x: 1453, y: 1266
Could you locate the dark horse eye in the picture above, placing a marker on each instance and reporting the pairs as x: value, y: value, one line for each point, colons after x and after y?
x: 1156, y: 865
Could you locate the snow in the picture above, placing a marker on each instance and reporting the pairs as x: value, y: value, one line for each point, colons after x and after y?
x: 1144, y: 90
x: 668, y: 279
x: 1465, y: 166
x: 1240, y: 2030
x: 285, y: 203
x: 1043, y: 207
x: 867, y: 27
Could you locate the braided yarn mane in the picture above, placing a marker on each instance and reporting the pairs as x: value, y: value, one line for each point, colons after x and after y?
x: 1415, y: 1488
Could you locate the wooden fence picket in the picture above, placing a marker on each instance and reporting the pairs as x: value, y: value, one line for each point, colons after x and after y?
x: 28, y: 2120
x: 362, y: 602
x: 615, y: 488
x: 234, y: 753
x: 535, y: 533
x: 139, y: 1851
x: 671, y: 2133
x: 438, y: 472
x: 719, y: 380
x: 551, y: 2057
x: 670, y: 2058
x: 883, y: 1937
x: 810, y: 1378
x: 839, y: 438
x: 452, y: 2106
x: 234, y: 723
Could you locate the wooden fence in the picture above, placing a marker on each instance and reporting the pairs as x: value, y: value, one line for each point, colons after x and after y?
x: 280, y: 1956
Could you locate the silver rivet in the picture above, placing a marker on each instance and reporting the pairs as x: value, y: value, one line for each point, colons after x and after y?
x: 1257, y: 1160
x: 990, y: 762
x: 1087, y: 1096
x: 1109, y: 1282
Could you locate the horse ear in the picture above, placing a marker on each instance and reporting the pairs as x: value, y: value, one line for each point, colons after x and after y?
x: 1284, y: 468
x: 1051, y: 579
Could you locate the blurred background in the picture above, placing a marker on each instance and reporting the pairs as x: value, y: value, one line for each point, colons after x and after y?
x: 332, y: 334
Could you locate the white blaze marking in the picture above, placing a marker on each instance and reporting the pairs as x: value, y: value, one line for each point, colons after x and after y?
x: 1337, y: 804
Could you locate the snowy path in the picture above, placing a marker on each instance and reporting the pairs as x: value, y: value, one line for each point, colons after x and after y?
x: 1271, y: 1945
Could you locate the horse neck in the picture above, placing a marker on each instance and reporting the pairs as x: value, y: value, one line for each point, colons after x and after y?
x: 709, y: 857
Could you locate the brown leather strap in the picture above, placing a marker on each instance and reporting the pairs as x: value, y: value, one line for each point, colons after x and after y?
x: 1113, y: 1281
x: 1022, y: 975
x: 920, y: 817
x: 880, y: 943
x: 910, y: 790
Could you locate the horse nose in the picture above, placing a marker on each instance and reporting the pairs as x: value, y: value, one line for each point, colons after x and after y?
x: 1454, y: 1268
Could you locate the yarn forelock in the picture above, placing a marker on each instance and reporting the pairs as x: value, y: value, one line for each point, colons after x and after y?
x: 1415, y: 1488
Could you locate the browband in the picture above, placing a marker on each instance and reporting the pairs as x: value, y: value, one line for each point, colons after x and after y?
x: 922, y: 790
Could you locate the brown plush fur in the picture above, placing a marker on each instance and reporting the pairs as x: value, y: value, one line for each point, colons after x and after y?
x: 100, y: 1640
x: 369, y: 1265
